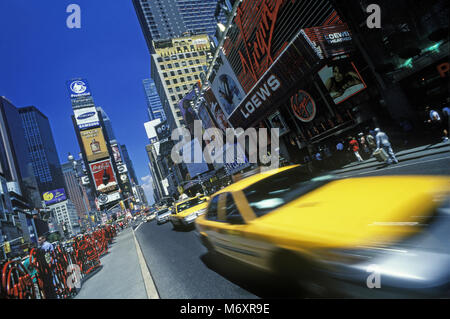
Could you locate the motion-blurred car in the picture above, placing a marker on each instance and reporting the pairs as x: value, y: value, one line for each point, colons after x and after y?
x: 163, y: 216
x: 360, y: 237
x: 188, y: 210
x: 151, y: 216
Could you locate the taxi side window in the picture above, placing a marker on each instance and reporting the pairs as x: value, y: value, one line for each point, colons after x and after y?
x: 211, y: 213
x: 231, y: 211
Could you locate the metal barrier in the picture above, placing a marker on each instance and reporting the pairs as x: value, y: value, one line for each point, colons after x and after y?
x: 56, y: 274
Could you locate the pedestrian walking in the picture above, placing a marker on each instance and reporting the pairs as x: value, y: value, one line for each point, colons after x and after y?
x: 383, y: 142
x: 370, y: 138
x: 446, y: 119
x: 434, y: 121
x: 354, y: 147
x: 364, y: 146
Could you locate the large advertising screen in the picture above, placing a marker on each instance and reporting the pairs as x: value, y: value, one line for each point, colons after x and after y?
x: 225, y: 86
x: 78, y: 88
x: 103, y: 175
x: 342, y: 80
x: 94, y: 144
x: 264, y: 29
x: 187, y: 111
x: 116, y: 153
x: 54, y: 196
x: 86, y: 117
x: 216, y: 110
x: 329, y: 41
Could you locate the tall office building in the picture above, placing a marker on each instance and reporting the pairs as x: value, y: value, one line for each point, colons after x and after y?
x: 154, y: 106
x: 65, y: 214
x: 164, y: 19
x: 129, y: 164
x: 177, y: 65
x: 18, y: 167
x: 42, y: 149
x: 76, y: 192
x: 107, y: 123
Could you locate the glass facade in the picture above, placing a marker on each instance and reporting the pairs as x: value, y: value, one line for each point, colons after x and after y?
x: 42, y: 150
x: 155, y: 109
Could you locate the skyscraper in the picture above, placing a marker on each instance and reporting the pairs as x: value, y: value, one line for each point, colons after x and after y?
x: 76, y: 193
x: 18, y: 168
x: 177, y: 65
x: 164, y: 19
x: 107, y: 123
x: 129, y: 163
x: 154, y: 106
x: 42, y: 149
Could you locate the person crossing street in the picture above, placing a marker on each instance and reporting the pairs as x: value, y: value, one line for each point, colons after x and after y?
x: 383, y: 142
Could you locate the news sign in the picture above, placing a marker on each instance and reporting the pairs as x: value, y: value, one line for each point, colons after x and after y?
x: 54, y: 196
x: 86, y: 117
x: 103, y: 176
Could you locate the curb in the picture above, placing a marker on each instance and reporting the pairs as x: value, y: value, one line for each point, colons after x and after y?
x: 399, y: 157
x: 150, y: 287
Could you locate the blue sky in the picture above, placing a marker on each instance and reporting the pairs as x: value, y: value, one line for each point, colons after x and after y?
x: 39, y: 53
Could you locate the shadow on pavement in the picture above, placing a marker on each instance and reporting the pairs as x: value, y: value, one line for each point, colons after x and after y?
x: 257, y: 282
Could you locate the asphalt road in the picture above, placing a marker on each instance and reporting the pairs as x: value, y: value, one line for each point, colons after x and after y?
x: 182, y: 268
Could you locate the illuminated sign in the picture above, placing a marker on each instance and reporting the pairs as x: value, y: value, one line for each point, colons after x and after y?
x: 303, y: 106
x: 103, y: 175
x: 54, y: 196
x: 78, y: 88
x: 86, y: 117
x: 94, y: 144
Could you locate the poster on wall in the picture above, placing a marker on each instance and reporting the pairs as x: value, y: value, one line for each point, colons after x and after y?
x: 103, y: 176
x: 94, y: 144
x: 226, y: 87
x: 342, y: 80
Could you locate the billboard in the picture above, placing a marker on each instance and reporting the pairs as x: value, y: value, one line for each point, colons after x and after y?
x: 216, y: 110
x: 78, y: 88
x: 116, y: 153
x: 204, y: 116
x: 329, y: 41
x: 342, y: 80
x: 86, y: 117
x: 291, y: 70
x: 54, y: 196
x: 265, y: 28
x: 226, y: 87
x: 163, y: 131
x: 187, y: 111
x: 103, y: 176
x: 94, y: 144
x: 150, y: 130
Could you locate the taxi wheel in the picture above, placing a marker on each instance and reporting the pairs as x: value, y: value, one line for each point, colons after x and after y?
x: 302, y: 272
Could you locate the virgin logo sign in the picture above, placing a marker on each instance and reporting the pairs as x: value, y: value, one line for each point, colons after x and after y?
x: 303, y: 106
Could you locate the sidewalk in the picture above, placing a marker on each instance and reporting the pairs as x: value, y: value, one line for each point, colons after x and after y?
x: 402, y: 156
x: 120, y: 276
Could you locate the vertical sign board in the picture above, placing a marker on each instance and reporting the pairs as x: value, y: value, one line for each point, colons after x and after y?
x: 103, y: 176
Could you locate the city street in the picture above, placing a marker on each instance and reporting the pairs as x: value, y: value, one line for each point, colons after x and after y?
x: 182, y: 268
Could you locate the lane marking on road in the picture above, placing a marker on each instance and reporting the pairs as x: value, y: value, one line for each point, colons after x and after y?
x: 150, y: 287
x: 398, y: 166
x: 138, y: 226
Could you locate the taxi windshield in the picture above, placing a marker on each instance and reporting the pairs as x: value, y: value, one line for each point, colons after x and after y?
x: 282, y: 188
x: 190, y: 203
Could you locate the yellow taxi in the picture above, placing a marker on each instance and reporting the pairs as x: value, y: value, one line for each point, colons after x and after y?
x: 188, y: 210
x: 327, y: 232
